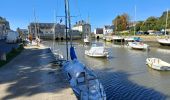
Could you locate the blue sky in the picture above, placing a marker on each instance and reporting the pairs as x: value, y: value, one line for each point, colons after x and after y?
x: 101, y: 12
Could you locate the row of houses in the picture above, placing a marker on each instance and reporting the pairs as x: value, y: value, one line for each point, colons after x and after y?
x: 47, y: 30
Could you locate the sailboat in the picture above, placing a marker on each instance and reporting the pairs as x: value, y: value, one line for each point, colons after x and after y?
x: 165, y: 41
x: 97, y: 51
x: 37, y: 38
x: 83, y: 81
x: 158, y: 64
x: 137, y: 42
x: 56, y: 53
x: 87, y: 39
x: 132, y: 38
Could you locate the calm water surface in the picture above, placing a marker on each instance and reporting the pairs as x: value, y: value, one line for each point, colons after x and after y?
x: 124, y: 74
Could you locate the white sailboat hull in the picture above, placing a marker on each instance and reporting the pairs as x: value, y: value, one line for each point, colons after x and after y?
x: 129, y: 39
x: 104, y: 54
x: 138, y: 45
x: 86, y: 40
x: 164, y: 41
x: 97, y: 52
x: 157, y: 64
x: 117, y: 38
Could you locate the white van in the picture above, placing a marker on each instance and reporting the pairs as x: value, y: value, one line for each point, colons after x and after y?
x: 12, y: 37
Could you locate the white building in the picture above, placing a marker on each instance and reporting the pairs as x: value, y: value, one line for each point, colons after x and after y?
x: 83, y: 27
x: 98, y: 32
x: 108, y: 29
x: 4, y: 27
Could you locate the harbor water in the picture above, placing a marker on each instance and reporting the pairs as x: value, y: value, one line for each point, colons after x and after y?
x: 124, y: 73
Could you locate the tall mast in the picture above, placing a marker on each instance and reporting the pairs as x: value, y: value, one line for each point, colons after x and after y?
x: 35, y: 24
x: 135, y: 22
x: 69, y: 22
x: 66, y: 24
x: 54, y: 30
x: 166, y: 22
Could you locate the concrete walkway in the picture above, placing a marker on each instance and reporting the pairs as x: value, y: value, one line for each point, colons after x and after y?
x: 30, y: 76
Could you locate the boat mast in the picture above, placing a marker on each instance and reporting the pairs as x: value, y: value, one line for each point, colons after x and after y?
x: 35, y: 24
x: 66, y: 24
x: 54, y: 30
x: 135, y: 22
x: 166, y: 22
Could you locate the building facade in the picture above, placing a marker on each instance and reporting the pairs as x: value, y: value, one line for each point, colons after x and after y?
x: 98, y: 32
x: 46, y: 30
x: 4, y: 27
x: 83, y: 27
x: 108, y: 29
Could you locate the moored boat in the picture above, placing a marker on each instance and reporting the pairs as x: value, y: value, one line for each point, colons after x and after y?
x: 87, y: 40
x: 97, y: 51
x: 117, y: 38
x: 129, y: 39
x: 138, y: 45
x: 164, y: 42
x: 83, y: 81
x: 157, y: 64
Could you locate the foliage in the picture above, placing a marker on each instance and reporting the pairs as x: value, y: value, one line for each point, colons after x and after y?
x: 121, y: 22
x: 154, y: 23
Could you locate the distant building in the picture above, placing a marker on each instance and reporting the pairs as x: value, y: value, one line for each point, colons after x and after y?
x: 46, y: 30
x: 108, y: 29
x: 98, y: 32
x: 4, y: 27
x: 83, y: 27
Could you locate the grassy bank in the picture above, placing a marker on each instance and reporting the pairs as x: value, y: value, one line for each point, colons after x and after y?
x: 11, y: 55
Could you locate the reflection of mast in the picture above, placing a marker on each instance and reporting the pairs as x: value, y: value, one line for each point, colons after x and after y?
x: 166, y: 22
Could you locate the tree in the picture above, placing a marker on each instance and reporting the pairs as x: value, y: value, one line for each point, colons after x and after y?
x: 121, y: 22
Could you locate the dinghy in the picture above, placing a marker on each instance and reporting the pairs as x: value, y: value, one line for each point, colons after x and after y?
x: 157, y: 64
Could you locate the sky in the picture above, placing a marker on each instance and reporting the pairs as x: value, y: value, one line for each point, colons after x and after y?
x: 20, y: 13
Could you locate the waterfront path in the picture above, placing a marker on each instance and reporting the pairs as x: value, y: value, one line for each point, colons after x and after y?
x: 31, y: 76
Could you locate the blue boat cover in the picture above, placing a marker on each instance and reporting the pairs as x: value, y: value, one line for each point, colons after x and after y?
x: 72, y: 53
x: 137, y: 39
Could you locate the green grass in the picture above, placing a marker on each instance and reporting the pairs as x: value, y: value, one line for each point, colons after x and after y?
x: 11, y: 55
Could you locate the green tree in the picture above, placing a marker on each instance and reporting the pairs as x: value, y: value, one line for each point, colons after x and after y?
x: 121, y: 22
